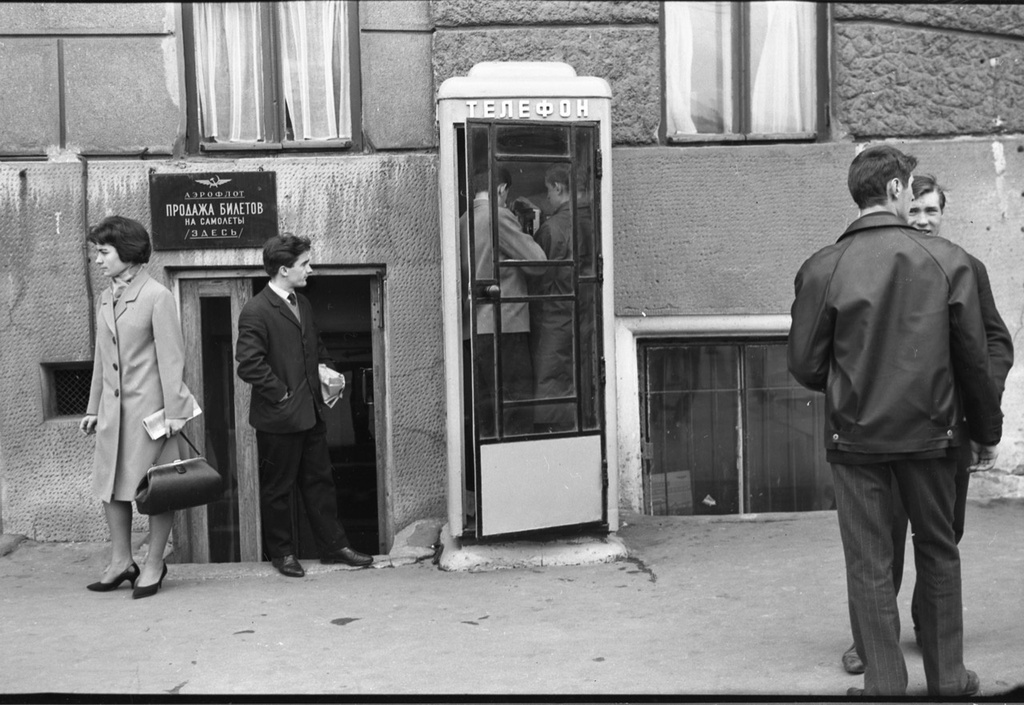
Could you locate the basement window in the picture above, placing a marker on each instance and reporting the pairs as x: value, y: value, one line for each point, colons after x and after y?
x: 727, y: 430
x: 66, y: 388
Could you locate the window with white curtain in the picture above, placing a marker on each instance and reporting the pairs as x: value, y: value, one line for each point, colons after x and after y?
x: 741, y: 68
x: 273, y: 73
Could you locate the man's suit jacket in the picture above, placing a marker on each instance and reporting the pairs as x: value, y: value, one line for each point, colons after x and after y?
x: 279, y: 358
x: 1000, y: 342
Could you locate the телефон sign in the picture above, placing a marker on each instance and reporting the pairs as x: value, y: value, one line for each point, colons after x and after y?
x: 213, y: 210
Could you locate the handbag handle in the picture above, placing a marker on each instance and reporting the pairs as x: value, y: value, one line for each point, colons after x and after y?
x: 182, y: 434
x: 190, y: 444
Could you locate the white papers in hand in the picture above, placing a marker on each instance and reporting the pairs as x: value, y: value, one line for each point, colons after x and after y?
x: 156, y: 423
x: 332, y: 385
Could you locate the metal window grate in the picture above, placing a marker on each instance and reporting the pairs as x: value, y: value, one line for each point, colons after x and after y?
x: 727, y: 430
x: 70, y: 388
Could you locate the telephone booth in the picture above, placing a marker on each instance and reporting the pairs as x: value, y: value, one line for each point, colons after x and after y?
x: 526, y: 223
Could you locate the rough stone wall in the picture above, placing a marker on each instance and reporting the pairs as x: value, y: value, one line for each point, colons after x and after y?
x: 45, y: 466
x: 927, y: 70
x: 617, y: 41
x: 722, y: 230
x: 376, y: 210
x: 455, y: 13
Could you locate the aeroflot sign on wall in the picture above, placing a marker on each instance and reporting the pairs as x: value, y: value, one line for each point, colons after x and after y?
x: 213, y: 210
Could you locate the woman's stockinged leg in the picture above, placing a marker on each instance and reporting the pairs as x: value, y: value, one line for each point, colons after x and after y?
x: 119, y: 521
x: 159, y: 531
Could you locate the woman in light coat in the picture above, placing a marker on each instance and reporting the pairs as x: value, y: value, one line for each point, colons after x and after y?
x: 137, y: 370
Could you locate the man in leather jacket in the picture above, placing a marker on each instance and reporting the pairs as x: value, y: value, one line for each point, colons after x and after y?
x: 926, y: 214
x: 886, y: 322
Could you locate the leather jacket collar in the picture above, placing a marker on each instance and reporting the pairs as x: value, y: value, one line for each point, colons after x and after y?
x: 872, y: 221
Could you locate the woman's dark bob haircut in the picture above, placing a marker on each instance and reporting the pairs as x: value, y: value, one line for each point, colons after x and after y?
x: 127, y: 236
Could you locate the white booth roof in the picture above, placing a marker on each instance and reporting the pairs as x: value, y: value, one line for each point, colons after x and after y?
x: 499, y: 79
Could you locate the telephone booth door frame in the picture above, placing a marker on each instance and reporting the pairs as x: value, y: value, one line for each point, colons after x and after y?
x: 530, y: 87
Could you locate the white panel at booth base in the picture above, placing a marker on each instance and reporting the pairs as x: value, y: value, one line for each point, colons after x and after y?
x: 539, y: 484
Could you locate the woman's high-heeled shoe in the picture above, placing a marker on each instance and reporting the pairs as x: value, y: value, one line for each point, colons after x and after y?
x: 131, y: 574
x: 150, y: 590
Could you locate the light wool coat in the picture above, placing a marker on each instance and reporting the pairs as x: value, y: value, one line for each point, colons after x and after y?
x: 137, y: 370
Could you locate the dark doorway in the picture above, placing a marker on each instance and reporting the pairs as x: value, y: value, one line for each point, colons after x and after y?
x: 219, y: 412
x: 342, y: 307
x: 347, y: 309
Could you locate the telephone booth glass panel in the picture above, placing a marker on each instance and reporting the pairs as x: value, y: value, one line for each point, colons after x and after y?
x: 532, y: 351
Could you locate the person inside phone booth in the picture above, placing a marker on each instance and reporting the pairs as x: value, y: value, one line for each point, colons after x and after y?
x: 551, y: 322
x: 517, y: 378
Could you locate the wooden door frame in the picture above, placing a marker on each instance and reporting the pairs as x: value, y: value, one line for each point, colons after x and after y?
x: 191, y: 528
x: 385, y: 517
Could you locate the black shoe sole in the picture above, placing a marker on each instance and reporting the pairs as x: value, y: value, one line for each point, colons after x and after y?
x: 292, y: 575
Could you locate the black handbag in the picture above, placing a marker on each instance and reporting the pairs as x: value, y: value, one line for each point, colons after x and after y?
x: 189, y: 482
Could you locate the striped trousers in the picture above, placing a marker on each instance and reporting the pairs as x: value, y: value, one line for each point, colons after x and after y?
x: 865, y: 499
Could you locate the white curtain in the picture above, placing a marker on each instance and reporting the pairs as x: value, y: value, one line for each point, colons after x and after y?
x: 229, y: 71
x: 678, y: 68
x: 698, y: 67
x: 315, y: 69
x: 784, y: 93
x: 314, y: 81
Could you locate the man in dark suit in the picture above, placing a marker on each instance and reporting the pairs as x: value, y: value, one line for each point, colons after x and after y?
x: 887, y: 323
x: 278, y: 353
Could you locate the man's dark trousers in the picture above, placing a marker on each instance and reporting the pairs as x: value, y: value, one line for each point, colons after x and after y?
x: 864, y: 500
x: 302, y: 460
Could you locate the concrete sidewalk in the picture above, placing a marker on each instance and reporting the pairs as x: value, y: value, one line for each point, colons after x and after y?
x: 701, y: 606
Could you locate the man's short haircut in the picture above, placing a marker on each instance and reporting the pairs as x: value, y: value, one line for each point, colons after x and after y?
x: 481, y: 179
x: 129, y: 237
x: 557, y: 174
x: 282, y: 251
x: 875, y: 167
x: 925, y: 184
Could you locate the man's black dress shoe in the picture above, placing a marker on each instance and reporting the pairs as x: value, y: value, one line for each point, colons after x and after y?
x: 347, y: 556
x: 288, y: 565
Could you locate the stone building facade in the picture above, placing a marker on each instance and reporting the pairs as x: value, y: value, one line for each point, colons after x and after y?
x: 94, y: 98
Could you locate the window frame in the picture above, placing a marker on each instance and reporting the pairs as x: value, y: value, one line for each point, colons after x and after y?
x: 50, y: 389
x: 274, y: 104
x: 743, y: 458
x: 741, y: 94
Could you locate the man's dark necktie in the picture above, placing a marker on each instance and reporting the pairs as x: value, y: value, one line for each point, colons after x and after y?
x: 294, y: 304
